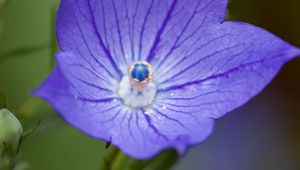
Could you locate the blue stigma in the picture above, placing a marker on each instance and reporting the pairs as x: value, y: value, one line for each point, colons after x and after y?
x: 140, y: 72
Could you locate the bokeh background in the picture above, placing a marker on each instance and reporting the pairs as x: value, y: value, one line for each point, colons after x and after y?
x: 264, y: 134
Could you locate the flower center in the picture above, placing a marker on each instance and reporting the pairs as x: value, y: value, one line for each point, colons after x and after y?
x: 137, y: 89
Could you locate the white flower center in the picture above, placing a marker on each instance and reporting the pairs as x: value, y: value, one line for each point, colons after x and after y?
x: 136, y: 97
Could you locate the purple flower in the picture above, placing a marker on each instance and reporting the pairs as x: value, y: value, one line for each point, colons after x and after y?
x: 150, y: 75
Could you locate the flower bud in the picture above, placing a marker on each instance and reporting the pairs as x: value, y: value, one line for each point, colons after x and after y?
x: 10, y: 130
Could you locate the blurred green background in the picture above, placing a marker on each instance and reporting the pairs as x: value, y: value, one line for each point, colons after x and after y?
x: 262, y: 135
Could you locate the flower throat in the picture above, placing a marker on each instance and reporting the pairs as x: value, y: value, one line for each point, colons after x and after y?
x: 136, y: 89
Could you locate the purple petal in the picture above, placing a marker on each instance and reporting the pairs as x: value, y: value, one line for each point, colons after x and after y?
x: 119, y: 32
x: 138, y: 132
x: 146, y: 132
x: 77, y: 32
x: 86, y: 77
x: 83, y: 113
x: 229, y: 64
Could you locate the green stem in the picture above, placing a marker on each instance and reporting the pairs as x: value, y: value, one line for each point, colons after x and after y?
x: 109, y: 158
x: 120, y: 162
x: 3, y: 103
x: 164, y: 161
x: 8, y: 159
x: 117, y: 160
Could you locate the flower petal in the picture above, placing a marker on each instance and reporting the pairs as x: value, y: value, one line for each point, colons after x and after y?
x: 145, y: 133
x: 119, y: 32
x: 137, y: 132
x: 77, y: 33
x: 86, y: 77
x: 223, y: 70
x: 90, y: 116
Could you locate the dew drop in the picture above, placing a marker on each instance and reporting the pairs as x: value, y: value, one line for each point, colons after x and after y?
x: 149, y: 111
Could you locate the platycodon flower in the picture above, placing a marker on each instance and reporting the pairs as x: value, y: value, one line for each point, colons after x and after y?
x: 147, y: 75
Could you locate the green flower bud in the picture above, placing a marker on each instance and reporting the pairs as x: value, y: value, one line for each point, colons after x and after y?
x: 10, y: 130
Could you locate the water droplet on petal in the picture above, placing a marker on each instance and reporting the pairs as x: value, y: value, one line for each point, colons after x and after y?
x: 149, y: 111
